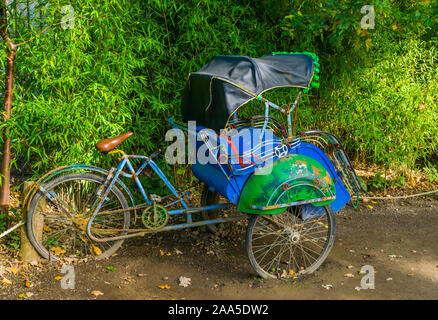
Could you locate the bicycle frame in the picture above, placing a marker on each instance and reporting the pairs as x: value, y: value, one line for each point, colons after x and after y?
x: 114, y: 175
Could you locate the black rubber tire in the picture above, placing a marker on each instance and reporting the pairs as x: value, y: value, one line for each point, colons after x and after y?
x: 209, y: 197
x: 39, y: 247
x: 326, y: 249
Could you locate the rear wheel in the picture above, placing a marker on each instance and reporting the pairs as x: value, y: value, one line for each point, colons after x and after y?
x: 208, y: 198
x: 57, y: 227
x: 285, y: 245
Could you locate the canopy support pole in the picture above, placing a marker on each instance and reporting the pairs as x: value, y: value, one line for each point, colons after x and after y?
x: 289, y: 117
x: 266, y: 121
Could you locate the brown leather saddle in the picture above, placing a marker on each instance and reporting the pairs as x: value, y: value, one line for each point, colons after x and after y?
x: 107, y: 145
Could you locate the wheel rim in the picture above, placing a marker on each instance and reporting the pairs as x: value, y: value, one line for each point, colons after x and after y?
x: 284, y: 245
x: 65, y: 220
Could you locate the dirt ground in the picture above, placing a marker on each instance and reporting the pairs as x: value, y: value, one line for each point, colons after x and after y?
x: 399, y: 239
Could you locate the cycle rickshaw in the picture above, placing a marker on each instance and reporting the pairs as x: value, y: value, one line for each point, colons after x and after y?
x: 288, y: 185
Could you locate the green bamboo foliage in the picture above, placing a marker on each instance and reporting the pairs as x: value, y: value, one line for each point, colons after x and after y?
x: 123, y: 66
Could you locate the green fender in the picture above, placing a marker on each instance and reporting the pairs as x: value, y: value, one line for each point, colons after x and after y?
x: 292, y: 180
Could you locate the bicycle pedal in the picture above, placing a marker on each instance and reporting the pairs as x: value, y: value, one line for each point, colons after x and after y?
x: 155, y: 198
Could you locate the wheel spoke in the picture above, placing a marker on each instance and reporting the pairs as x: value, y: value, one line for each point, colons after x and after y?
x: 65, y: 219
x: 286, y: 239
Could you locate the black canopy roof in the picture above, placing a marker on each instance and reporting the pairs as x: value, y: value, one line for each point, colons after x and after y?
x: 213, y: 93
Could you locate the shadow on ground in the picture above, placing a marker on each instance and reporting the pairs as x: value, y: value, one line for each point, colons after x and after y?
x: 399, y: 239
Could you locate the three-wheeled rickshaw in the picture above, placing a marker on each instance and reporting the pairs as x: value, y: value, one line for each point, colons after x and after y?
x: 287, y: 184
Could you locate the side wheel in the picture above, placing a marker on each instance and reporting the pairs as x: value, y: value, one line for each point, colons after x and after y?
x: 285, y: 245
x: 208, y: 198
x: 56, y: 222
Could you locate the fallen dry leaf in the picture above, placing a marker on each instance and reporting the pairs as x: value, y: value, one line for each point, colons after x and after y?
x: 128, y: 279
x: 85, y: 240
x: 96, y: 293
x: 28, y: 284
x: 164, y: 286
x: 184, y: 281
x: 95, y: 250
x: 12, y: 270
x: 58, y: 278
x: 34, y: 263
x: 177, y: 251
x: 70, y: 260
x: 57, y: 251
x: 349, y: 275
x: 5, y: 282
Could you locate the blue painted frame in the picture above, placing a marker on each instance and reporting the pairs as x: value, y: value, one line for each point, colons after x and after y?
x: 112, y: 177
x: 118, y: 172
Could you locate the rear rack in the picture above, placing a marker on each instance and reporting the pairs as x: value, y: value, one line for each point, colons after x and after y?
x: 337, y: 156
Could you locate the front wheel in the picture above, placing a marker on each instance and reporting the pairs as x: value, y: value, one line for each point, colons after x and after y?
x: 57, y: 227
x: 285, y: 245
